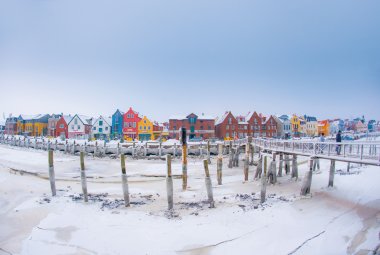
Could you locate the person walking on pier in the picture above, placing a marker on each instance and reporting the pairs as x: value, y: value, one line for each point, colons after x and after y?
x: 338, y: 140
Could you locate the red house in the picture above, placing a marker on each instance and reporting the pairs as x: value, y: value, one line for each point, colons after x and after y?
x: 254, y: 124
x: 269, y: 128
x: 62, y: 126
x: 130, y: 120
x: 197, y: 126
x: 227, y: 126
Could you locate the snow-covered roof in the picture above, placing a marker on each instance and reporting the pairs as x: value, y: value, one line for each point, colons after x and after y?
x: 2, y: 122
x: 32, y: 117
x: 221, y: 119
x: 184, y: 116
x: 67, y: 118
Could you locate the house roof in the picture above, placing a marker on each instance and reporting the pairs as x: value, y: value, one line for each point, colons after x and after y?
x: 67, y: 118
x: 185, y: 116
x: 221, y: 119
x: 32, y: 117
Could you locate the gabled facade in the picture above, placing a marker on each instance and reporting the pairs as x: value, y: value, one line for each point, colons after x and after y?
x: 269, y: 127
x: 371, y: 125
x: 11, y: 126
x: 242, y: 127
x: 324, y: 127
x: 101, y: 128
x: 33, y: 125
x: 117, y: 124
x: 158, y: 131
x: 130, y: 121
x: 61, y: 128
x: 197, y: 126
x: 336, y: 125
x: 255, y: 124
x: 80, y: 127
x: 295, y: 125
x: 52, y: 124
x: 226, y: 127
x: 311, y: 128
x: 360, y: 127
x: 145, y: 129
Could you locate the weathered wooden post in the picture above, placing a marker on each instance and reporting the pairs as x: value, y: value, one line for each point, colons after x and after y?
x: 169, y: 181
x: 208, y: 152
x: 35, y: 143
x: 200, y: 150
x: 133, y: 150
x: 348, y: 167
x: 66, y: 147
x: 219, y: 165
x: 184, y: 158
x: 83, y: 177
x: 273, y: 171
x: 246, y: 161
x: 118, y: 149
x: 124, y: 180
x: 175, y: 150
x: 280, y: 165
x: 295, y: 167
x: 287, y: 167
x: 259, y: 168
x: 236, y: 157
x: 96, y: 148
x: 332, y: 173
x: 231, y: 156
x: 73, y: 147
x: 252, y: 154
x: 306, y: 185
x: 56, y: 145
x: 160, y: 150
x: 264, y: 182
x: 146, y: 149
x: 208, y: 184
x: 316, y: 164
x: 51, y: 173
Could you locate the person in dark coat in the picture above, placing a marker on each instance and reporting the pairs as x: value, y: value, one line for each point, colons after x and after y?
x: 338, y: 140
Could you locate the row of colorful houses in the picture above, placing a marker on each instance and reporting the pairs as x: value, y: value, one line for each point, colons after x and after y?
x: 130, y: 125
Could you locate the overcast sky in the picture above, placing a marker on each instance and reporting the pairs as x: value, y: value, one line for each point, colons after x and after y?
x: 169, y: 57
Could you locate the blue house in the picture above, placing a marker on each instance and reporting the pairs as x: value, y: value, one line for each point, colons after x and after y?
x: 371, y: 125
x: 117, y: 124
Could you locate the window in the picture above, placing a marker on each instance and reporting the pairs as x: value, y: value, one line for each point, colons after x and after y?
x: 174, y: 127
x: 230, y: 120
x: 100, y: 123
x: 61, y: 126
x: 76, y: 121
x: 94, y: 128
x: 148, y: 128
x: 134, y: 124
x: 227, y: 127
x: 140, y: 127
x: 227, y: 134
x: 72, y: 127
x: 201, y: 127
x: 100, y: 130
x: 209, y: 127
x: 106, y: 128
x: 144, y: 121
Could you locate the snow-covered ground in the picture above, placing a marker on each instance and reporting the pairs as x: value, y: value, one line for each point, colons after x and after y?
x: 340, y: 220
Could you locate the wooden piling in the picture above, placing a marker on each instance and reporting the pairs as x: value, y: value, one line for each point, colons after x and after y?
x: 208, y: 152
x: 259, y: 168
x: 264, y: 181
x: 208, y: 184
x: 124, y: 181
x: 273, y: 171
x: 348, y: 167
x: 295, y: 167
x: 169, y: 182
x: 51, y: 173
x: 219, y: 166
x: 184, y: 158
x: 230, y: 156
x: 332, y: 173
x: 306, y: 185
x: 246, y: 161
x: 281, y: 165
x: 83, y: 177
x: 287, y: 167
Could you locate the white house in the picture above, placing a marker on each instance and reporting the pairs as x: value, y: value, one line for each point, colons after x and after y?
x: 101, y: 128
x: 283, y: 126
x: 80, y: 127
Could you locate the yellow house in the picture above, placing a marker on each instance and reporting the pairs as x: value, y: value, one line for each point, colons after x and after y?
x: 295, y: 125
x: 145, y: 129
x: 33, y: 125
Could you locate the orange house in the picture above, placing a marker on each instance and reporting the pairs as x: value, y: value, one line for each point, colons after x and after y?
x: 323, y: 127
